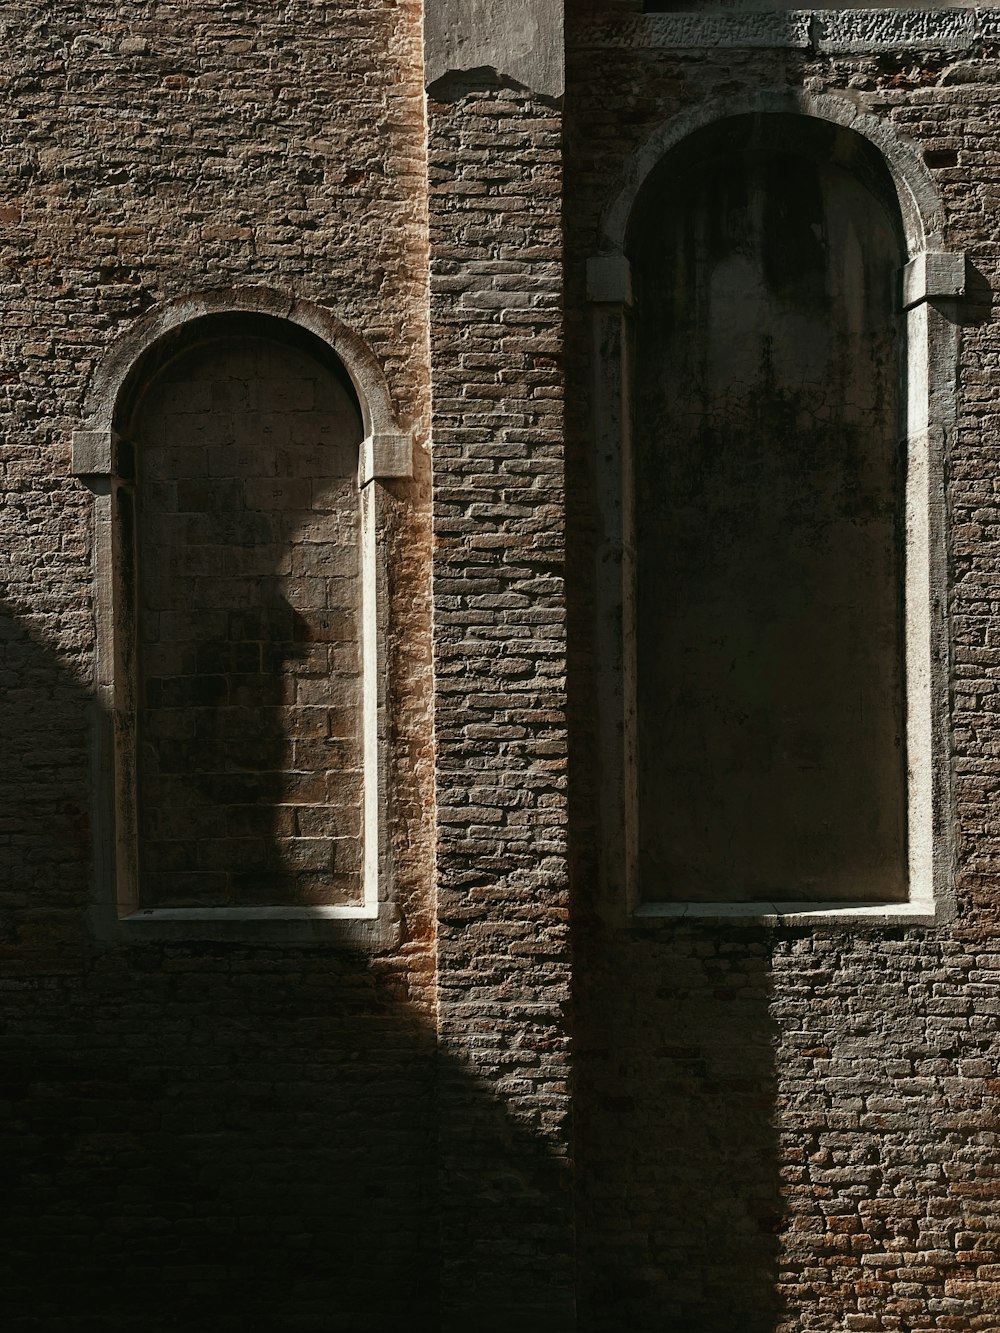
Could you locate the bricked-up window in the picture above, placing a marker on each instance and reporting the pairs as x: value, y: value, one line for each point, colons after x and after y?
x: 769, y: 600
x: 249, y: 706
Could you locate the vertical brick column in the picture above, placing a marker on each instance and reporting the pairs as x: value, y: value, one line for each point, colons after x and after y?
x: 496, y: 342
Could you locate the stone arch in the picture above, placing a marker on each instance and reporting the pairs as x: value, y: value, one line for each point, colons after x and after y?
x: 933, y: 278
x: 919, y: 202
x: 387, y: 448
x: 150, y: 349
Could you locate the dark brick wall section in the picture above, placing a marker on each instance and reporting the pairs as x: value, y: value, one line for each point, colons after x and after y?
x: 250, y: 726
x: 503, y: 960
x: 230, y: 1156
x: 789, y: 1131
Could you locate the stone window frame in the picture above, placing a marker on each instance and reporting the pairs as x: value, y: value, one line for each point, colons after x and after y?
x: 933, y: 281
x: 103, y: 460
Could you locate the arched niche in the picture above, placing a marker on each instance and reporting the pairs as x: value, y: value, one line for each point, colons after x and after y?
x: 240, y: 623
x: 771, y: 394
x: 768, y: 510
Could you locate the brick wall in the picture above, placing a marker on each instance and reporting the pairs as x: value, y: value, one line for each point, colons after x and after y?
x: 780, y: 1129
x: 205, y: 1135
x: 503, y: 961
x: 788, y: 1129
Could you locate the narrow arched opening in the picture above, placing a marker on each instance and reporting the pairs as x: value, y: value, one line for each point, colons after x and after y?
x: 240, y: 625
x: 767, y: 518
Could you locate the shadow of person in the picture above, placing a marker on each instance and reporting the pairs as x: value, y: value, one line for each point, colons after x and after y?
x: 251, y: 762
x: 216, y: 761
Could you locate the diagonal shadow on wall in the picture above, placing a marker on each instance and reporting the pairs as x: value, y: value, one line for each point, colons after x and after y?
x: 226, y: 1137
x: 676, y: 1148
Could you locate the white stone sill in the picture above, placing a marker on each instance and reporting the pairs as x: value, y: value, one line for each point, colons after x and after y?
x: 250, y: 913
x: 356, y: 927
x: 918, y: 912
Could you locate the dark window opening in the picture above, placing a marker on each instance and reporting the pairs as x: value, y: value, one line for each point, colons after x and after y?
x: 767, y: 510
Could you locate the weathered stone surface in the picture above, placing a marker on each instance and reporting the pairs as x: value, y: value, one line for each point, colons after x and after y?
x: 520, y: 40
x: 768, y: 520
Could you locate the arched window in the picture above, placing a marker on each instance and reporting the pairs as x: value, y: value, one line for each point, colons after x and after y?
x: 764, y: 406
x: 768, y: 509
x: 239, y: 576
x: 250, y: 764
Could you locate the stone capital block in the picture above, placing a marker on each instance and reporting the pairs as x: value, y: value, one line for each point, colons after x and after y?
x: 609, y: 280
x: 94, y: 453
x: 935, y: 273
x: 386, y: 454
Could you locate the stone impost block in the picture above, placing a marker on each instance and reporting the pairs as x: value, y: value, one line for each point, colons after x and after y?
x: 94, y: 453
x: 386, y: 454
x: 609, y: 280
x: 935, y: 273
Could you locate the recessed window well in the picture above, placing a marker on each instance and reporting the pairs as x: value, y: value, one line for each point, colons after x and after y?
x: 768, y: 509
x: 767, y: 363
x: 249, y: 724
x: 236, y: 460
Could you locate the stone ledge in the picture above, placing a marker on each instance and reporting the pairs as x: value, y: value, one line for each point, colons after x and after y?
x: 917, y: 912
x: 94, y: 453
x: 851, y: 30
x: 609, y: 280
x: 351, y: 927
x: 934, y: 274
x: 385, y: 455
x: 822, y: 30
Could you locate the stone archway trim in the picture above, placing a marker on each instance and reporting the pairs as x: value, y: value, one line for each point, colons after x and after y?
x: 387, y: 449
x: 105, y: 461
x: 933, y: 279
x: 920, y: 205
